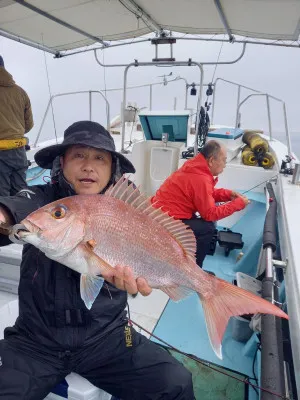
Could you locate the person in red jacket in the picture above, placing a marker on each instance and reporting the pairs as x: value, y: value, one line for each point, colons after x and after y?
x: 191, y: 189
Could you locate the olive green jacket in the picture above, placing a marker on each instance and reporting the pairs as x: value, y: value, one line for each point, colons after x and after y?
x: 15, y: 109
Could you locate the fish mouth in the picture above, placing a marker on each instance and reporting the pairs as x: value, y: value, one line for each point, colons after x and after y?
x: 21, y: 231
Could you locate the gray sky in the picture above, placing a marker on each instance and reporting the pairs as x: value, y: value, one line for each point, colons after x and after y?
x: 269, y: 69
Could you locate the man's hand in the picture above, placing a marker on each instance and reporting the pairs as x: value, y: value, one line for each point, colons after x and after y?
x: 245, y: 199
x: 122, y: 278
x: 234, y: 195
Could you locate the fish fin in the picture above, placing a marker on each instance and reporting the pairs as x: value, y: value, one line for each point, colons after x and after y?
x: 128, y: 193
x: 96, y: 264
x: 123, y: 190
x: 91, y: 243
x: 177, y: 293
x: 90, y: 287
x: 229, y: 300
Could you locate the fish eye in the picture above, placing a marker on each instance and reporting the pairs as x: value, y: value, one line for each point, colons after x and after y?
x: 58, y: 212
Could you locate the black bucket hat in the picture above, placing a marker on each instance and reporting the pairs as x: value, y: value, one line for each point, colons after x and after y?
x: 87, y: 133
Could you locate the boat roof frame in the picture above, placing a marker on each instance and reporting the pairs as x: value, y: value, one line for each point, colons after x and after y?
x: 153, y: 25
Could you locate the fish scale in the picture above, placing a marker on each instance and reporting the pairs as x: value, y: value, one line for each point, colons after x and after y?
x: 144, y: 254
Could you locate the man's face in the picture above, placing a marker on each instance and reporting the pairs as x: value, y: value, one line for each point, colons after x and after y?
x: 217, y: 164
x: 87, y: 169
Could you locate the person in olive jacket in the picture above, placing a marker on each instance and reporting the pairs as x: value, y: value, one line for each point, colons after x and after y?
x: 15, y: 121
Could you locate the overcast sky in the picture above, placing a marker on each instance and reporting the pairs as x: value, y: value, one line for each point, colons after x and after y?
x: 269, y: 69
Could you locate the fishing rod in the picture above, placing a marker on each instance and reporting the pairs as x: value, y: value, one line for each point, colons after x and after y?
x: 249, y: 190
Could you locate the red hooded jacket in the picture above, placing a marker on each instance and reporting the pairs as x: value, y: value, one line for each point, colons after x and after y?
x: 192, y: 189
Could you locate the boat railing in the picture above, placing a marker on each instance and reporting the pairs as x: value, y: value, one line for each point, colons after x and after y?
x: 241, y: 103
x: 103, y: 95
x: 90, y: 94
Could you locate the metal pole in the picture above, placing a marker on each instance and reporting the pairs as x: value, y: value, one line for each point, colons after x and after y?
x: 287, y: 134
x: 149, y: 64
x: 107, y: 116
x: 238, y: 102
x: 29, y: 43
x: 296, y: 174
x: 213, y: 101
x: 224, y: 19
x: 247, y: 98
x: 150, y: 97
x: 237, y: 84
x: 68, y: 94
x: 123, y: 107
x: 60, y: 21
x: 175, y: 103
x: 174, y: 62
x: 178, y: 38
x: 239, y: 91
x: 198, y: 108
x: 90, y: 105
x: 269, y: 116
x: 227, y: 62
x: 186, y: 96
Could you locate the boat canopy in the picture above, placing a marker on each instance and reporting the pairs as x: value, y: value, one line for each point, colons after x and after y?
x: 57, y: 26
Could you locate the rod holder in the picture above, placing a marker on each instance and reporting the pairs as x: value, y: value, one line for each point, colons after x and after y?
x: 296, y: 174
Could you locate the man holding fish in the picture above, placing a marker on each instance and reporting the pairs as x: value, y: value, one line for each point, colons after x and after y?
x: 55, y: 332
x: 73, y: 319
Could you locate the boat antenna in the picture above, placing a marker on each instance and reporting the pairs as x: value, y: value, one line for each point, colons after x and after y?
x: 49, y: 89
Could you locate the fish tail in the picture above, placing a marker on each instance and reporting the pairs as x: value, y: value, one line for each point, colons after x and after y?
x: 226, y: 301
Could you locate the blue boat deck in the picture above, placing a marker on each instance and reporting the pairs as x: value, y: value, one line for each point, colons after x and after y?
x: 182, y: 324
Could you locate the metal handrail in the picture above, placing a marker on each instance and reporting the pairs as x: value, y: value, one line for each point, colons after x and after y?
x: 239, y: 94
x: 90, y: 92
x: 256, y: 93
x: 268, y: 97
x: 175, y: 62
x: 165, y: 63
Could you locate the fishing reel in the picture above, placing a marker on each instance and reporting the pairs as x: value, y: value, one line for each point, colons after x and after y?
x: 286, y: 167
